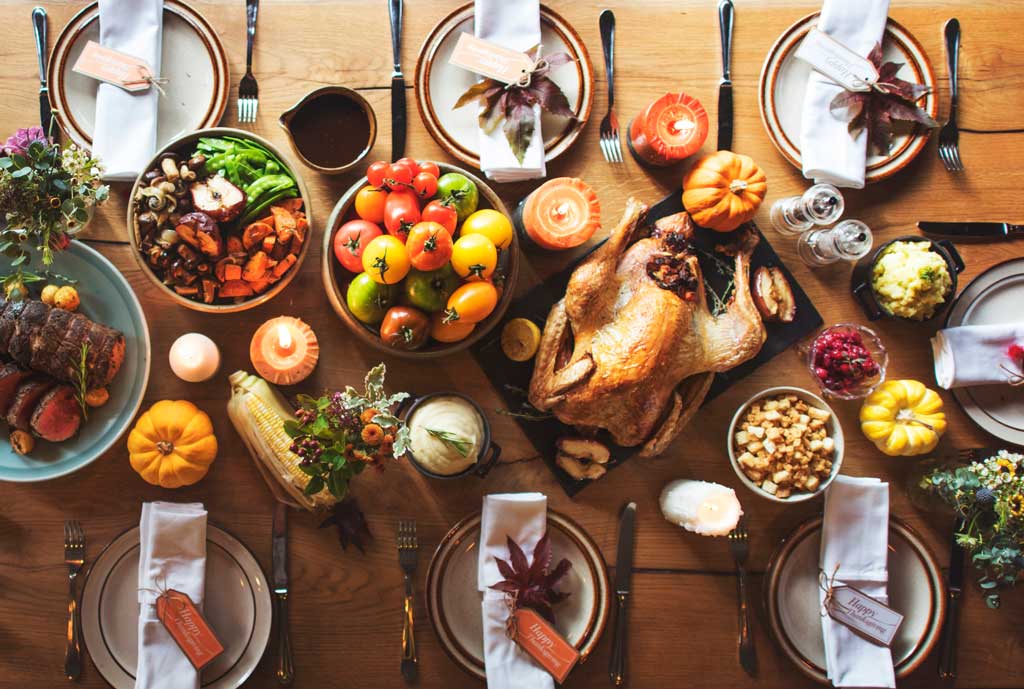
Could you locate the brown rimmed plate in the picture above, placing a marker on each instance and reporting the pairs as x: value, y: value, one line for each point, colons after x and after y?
x: 784, y: 80
x: 439, y: 85
x: 453, y: 601
x: 193, y: 62
x: 916, y: 589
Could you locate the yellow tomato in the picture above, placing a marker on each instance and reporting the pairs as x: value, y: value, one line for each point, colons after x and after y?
x: 491, y: 224
x: 472, y: 302
x: 474, y: 257
x: 386, y: 260
x: 370, y: 204
x: 450, y: 331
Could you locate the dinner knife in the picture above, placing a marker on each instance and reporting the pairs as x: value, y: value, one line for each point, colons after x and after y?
x: 623, y: 577
x: 954, y: 592
x: 971, y: 229
x: 39, y: 29
x: 279, y: 560
x: 397, y: 82
x: 725, y: 17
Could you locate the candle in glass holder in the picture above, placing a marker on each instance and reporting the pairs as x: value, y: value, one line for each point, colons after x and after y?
x: 284, y: 350
x: 194, y: 357
x: 708, y: 509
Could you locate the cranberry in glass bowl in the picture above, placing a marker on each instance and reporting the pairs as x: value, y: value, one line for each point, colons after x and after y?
x: 847, y: 360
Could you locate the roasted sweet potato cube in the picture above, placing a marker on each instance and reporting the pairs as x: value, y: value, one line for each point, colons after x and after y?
x: 261, y: 285
x: 280, y: 250
x: 284, y: 222
x: 235, y: 288
x: 232, y: 271
x: 286, y: 263
x: 255, y: 233
x: 187, y: 234
x: 290, y: 204
x: 256, y: 267
x: 269, y: 242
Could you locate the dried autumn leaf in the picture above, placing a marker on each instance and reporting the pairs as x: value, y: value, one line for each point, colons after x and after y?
x: 532, y: 585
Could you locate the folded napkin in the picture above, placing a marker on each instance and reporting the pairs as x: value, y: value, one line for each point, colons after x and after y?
x: 124, y: 138
x: 828, y: 151
x: 524, y: 518
x: 972, y: 354
x: 514, y: 24
x: 172, y: 555
x: 855, y: 537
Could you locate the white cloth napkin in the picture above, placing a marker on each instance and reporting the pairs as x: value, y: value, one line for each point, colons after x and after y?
x: 172, y: 555
x: 971, y: 354
x: 514, y: 24
x: 524, y: 517
x: 855, y: 536
x: 124, y: 138
x: 828, y: 151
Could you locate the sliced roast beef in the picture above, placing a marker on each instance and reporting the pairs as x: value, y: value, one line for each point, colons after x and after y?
x: 11, y: 376
x: 25, y: 400
x: 57, y: 416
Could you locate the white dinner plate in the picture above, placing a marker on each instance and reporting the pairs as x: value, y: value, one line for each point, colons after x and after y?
x: 453, y: 600
x: 238, y: 608
x: 993, y: 297
x: 784, y: 80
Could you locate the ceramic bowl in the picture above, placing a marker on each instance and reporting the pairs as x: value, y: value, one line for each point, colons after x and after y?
x: 336, y: 279
x: 354, y: 96
x: 835, y: 431
x: 486, y: 457
x: 184, y: 145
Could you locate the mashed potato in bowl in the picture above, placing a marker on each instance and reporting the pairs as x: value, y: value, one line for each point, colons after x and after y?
x: 910, y: 280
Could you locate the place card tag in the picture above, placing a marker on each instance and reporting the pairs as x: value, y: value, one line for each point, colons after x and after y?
x: 490, y: 59
x: 188, y: 628
x: 867, y: 616
x: 837, y: 62
x: 114, y: 67
x: 549, y: 648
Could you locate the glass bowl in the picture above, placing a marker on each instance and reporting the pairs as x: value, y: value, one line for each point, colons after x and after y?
x: 846, y: 360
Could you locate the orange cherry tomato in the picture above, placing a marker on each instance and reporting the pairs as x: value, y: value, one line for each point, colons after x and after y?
x: 429, y: 245
x: 370, y: 204
x: 449, y: 331
x: 472, y: 302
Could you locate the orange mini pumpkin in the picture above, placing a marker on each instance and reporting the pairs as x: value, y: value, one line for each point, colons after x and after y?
x: 724, y: 190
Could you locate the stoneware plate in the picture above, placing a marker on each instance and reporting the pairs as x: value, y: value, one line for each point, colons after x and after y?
x: 108, y: 299
x: 193, y: 62
x: 784, y: 80
x: 791, y: 589
x: 453, y: 601
x: 439, y: 85
x: 993, y: 297
x: 238, y: 607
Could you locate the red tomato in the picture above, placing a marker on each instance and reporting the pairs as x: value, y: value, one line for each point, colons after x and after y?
x: 425, y: 185
x: 377, y: 173
x: 402, y: 173
x: 350, y: 240
x: 429, y: 245
x: 401, y: 211
x: 430, y: 168
x: 413, y: 165
x: 437, y: 211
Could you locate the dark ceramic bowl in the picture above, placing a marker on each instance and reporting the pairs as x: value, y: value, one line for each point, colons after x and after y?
x: 489, y: 452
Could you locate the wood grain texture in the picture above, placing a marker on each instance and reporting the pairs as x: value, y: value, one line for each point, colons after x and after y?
x: 345, y: 606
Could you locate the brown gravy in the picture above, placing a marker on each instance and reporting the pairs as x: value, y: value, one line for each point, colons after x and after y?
x: 330, y: 130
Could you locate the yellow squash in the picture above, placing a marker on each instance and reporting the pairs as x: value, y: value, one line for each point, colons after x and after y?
x: 903, y: 418
x: 724, y: 190
x: 172, y: 444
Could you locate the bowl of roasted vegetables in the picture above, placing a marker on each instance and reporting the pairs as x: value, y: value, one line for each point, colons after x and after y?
x: 219, y: 220
x: 419, y: 258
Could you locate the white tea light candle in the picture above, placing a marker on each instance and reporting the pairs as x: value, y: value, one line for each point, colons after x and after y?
x: 194, y: 357
x: 708, y: 509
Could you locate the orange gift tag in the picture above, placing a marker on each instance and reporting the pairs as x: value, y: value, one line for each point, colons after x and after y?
x: 188, y: 628
x: 549, y: 648
x: 114, y: 67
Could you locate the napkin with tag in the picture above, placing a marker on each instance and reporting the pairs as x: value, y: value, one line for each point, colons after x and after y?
x: 124, y: 138
x: 973, y: 354
x: 172, y: 555
x: 514, y: 24
x: 855, y: 538
x: 828, y: 152
x: 523, y: 517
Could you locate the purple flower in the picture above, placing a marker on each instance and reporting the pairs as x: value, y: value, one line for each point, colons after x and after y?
x: 19, y: 142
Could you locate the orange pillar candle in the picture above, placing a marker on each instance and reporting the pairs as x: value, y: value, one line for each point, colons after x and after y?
x: 671, y: 128
x: 284, y: 350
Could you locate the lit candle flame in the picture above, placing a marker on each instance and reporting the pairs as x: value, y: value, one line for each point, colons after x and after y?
x: 284, y: 338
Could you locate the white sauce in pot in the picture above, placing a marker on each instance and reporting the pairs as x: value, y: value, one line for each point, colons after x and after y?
x: 440, y: 417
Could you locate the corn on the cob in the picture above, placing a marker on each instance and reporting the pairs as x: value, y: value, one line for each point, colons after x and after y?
x: 258, y: 412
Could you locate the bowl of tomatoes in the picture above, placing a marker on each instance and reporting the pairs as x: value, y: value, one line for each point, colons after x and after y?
x: 420, y: 259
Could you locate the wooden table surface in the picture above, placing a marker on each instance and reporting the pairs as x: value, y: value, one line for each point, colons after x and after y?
x: 346, y: 607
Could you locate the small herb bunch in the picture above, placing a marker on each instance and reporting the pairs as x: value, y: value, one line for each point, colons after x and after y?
x: 46, y: 196
x: 532, y: 585
x: 988, y: 497
x: 339, y: 434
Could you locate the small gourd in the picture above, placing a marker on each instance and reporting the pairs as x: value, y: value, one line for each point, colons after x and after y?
x: 172, y: 444
x: 903, y: 418
x: 724, y: 190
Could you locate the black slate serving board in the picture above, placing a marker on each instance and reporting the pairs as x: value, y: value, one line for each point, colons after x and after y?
x: 511, y: 379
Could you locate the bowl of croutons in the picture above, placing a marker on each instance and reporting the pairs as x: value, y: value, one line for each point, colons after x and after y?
x: 785, y: 444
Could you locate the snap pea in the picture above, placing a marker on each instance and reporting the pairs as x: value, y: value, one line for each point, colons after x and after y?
x: 267, y: 182
x: 258, y: 210
x: 271, y: 168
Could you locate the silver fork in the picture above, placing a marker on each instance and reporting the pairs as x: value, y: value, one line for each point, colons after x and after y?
x: 248, y: 91
x: 74, y: 558
x: 611, y: 147
x: 740, y: 547
x: 408, y: 554
x: 949, y: 135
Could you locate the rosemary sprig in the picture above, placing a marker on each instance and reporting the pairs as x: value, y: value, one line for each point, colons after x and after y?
x: 456, y: 442
x: 82, y: 380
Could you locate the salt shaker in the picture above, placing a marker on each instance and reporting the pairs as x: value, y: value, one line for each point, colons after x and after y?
x: 850, y: 240
x: 822, y: 204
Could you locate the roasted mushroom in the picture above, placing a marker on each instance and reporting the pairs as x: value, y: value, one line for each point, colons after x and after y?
x: 169, y: 166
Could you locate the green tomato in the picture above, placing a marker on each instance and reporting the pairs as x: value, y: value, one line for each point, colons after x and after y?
x: 429, y: 290
x: 369, y: 300
x: 457, y: 190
